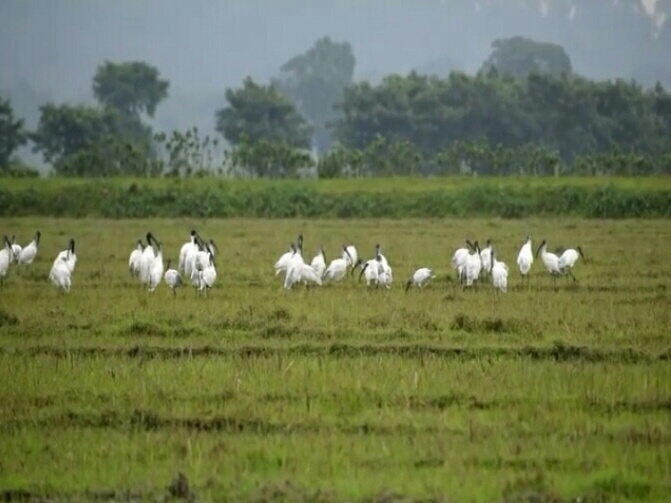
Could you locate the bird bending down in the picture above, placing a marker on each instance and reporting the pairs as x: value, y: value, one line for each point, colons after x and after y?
x: 420, y: 278
x: 568, y: 259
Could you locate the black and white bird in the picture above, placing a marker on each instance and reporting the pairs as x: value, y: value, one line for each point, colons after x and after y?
x: 525, y: 258
x: 568, y: 259
x: 6, y: 258
x: 172, y: 278
x: 420, y: 278
x: 29, y: 252
x: 135, y: 258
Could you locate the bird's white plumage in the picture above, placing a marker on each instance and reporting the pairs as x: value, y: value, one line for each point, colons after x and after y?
x: 310, y: 276
x: 352, y: 255
x: 569, y: 258
x: 16, y: 249
x: 29, y: 252
x: 283, y: 262
x: 156, y: 271
x: 338, y: 267
x: 499, y: 272
x: 135, y: 258
x: 486, y: 258
x: 420, y: 278
x: 371, y: 272
x: 172, y: 277
x: 187, y: 248
x: 68, y: 256
x: 6, y: 257
x: 60, y: 275
x: 470, y: 272
x: 294, y: 272
x: 318, y: 263
x: 550, y: 260
x: 525, y: 258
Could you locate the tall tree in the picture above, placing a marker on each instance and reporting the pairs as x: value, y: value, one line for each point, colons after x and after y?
x: 519, y: 56
x: 12, y: 134
x: 314, y: 81
x: 87, y: 141
x: 132, y: 88
x: 260, y: 112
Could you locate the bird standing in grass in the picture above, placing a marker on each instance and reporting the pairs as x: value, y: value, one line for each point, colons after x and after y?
x: 208, y: 275
x: 69, y: 256
x: 525, y: 258
x: 156, y: 271
x: 63, y: 267
x: 135, y: 258
x: 147, y: 260
x: 420, y: 278
x: 371, y: 271
x: 16, y: 248
x: 549, y: 259
x: 568, y: 259
x: 6, y: 257
x: 318, y: 263
x: 283, y: 262
x: 172, y: 278
x: 187, y: 248
x: 499, y: 272
x: 338, y: 267
x: 29, y: 252
x: 459, y: 259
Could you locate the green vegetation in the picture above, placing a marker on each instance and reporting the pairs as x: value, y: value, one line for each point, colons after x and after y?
x: 337, y: 394
x: 380, y: 198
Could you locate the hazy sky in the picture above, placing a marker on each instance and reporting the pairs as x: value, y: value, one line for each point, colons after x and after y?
x: 49, y: 49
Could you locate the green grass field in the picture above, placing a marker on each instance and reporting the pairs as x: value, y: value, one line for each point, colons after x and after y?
x: 546, y: 393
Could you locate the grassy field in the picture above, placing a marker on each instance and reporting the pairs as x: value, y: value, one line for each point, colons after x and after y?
x: 546, y: 393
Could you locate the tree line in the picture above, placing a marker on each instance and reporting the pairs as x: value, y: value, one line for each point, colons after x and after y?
x: 524, y: 113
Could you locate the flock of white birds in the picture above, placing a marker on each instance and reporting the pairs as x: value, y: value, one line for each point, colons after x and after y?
x: 196, y: 263
x: 472, y: 264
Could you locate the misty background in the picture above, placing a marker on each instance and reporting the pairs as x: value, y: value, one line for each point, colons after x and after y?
x: 49, y: 50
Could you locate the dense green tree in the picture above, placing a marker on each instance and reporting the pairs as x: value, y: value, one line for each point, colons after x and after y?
x: 261, y: 112
x: 268, y: 159
x: 314, y: 81
x: 569, y: 115
x: 88, y: 141
x: 12, y: 133
x: 519, y: 56
x: 132, y: 88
